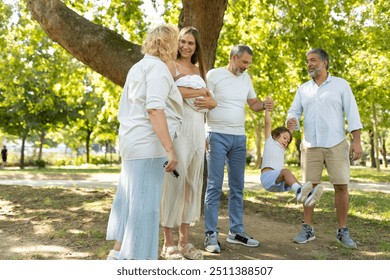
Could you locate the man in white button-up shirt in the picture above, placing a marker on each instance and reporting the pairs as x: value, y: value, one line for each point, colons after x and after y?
x: 324, y: 101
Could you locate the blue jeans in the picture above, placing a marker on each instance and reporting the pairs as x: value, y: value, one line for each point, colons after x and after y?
x: 232, y: 150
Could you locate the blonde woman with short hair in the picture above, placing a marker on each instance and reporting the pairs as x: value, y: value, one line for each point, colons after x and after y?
x: 150, y: 112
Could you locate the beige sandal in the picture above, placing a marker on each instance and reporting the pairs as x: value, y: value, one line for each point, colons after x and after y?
x: 190, y: 252
x: 171, y: 253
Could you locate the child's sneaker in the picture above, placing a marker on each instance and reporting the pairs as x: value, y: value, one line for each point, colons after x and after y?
x: 314, y: 196
x: 304, y: 191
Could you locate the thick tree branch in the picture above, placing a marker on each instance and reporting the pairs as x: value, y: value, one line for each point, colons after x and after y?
x: 108, y: 53
x: 103, y: 50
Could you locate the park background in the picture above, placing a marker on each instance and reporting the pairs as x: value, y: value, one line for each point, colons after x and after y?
x: 63, y: 64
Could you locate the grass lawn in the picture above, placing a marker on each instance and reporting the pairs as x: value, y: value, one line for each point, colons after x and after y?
x: 70, y: 223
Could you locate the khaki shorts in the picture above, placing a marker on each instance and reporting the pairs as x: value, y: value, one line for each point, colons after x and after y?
x: 336, y: 160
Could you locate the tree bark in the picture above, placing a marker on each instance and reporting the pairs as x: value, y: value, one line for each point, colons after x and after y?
x: 41, y: 140
x: 103, y: 50
x: 22, y: 151
x: 87, y: 145
x: 384, y: 151
x: 108, y: 53
x: 376, y: 137
x: 372, y: 149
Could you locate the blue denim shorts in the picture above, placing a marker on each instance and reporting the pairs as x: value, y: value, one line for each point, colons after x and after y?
x: 268, y: 180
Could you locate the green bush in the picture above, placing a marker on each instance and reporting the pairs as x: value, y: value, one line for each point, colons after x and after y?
x: 99, y: 160
x: 40, y: 163
x: 292, y: 162
x: 80, y: 160
x: 63, y: 162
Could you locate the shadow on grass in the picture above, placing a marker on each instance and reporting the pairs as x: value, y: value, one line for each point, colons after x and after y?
x: 70, y: 223
x: 53, y: 223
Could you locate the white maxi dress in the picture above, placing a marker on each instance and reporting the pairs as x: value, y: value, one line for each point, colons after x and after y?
x: 181, y: 197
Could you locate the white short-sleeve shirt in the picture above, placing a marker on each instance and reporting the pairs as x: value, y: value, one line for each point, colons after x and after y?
x: 273, y: 155
x: 231, y: 93
x: 149, y: 85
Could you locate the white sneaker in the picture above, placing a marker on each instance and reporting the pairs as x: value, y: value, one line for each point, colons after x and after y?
x: 242, y: 238
x: 314, y: 196
x: 304, y: 191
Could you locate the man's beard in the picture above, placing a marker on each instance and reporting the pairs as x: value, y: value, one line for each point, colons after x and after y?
x: 238, y: 72
x: 314, y: 73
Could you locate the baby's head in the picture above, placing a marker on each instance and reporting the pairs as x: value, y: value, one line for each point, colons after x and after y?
x: 282, y: 135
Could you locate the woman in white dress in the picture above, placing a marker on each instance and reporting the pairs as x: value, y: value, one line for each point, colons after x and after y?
x: 150, y: 111
x: 181, y: 197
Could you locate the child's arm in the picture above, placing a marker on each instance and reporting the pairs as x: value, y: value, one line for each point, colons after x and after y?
x: 267, y: 124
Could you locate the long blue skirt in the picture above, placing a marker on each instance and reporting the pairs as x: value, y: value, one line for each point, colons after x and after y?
x: 135, y: 213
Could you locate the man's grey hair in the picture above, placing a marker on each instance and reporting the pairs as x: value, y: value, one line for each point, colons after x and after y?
x: 322, y: 54
x: 239, y: 50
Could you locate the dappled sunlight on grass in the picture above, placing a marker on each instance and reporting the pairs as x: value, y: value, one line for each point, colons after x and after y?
x: 370, y: 174
x: 75, y: 231
x: 74, y: 221
x: 370, y: 205
x: 40, y: 251
x: 99, y: 206
x: 67, y: 219
x: 6, y: 209
x: 43, y: 228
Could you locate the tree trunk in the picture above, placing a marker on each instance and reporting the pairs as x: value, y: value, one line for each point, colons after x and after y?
x: 22, y: 152
x: 376, y: 136
x: 87, y: 144
x: 41, y: 140
x: 108, y: 53
x: 384, y: 151
x: 372, y: 149
x: 207, y: 17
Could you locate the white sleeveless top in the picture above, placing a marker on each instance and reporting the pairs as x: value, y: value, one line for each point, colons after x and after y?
x: 191, y: 81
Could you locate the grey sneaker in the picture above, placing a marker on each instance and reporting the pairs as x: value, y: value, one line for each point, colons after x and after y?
x: 211, y: 243
x: 306, y: 234
x: 242, y: 238
x: 345, y: 239
x: 314, y: 196
x: 304, y: 191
